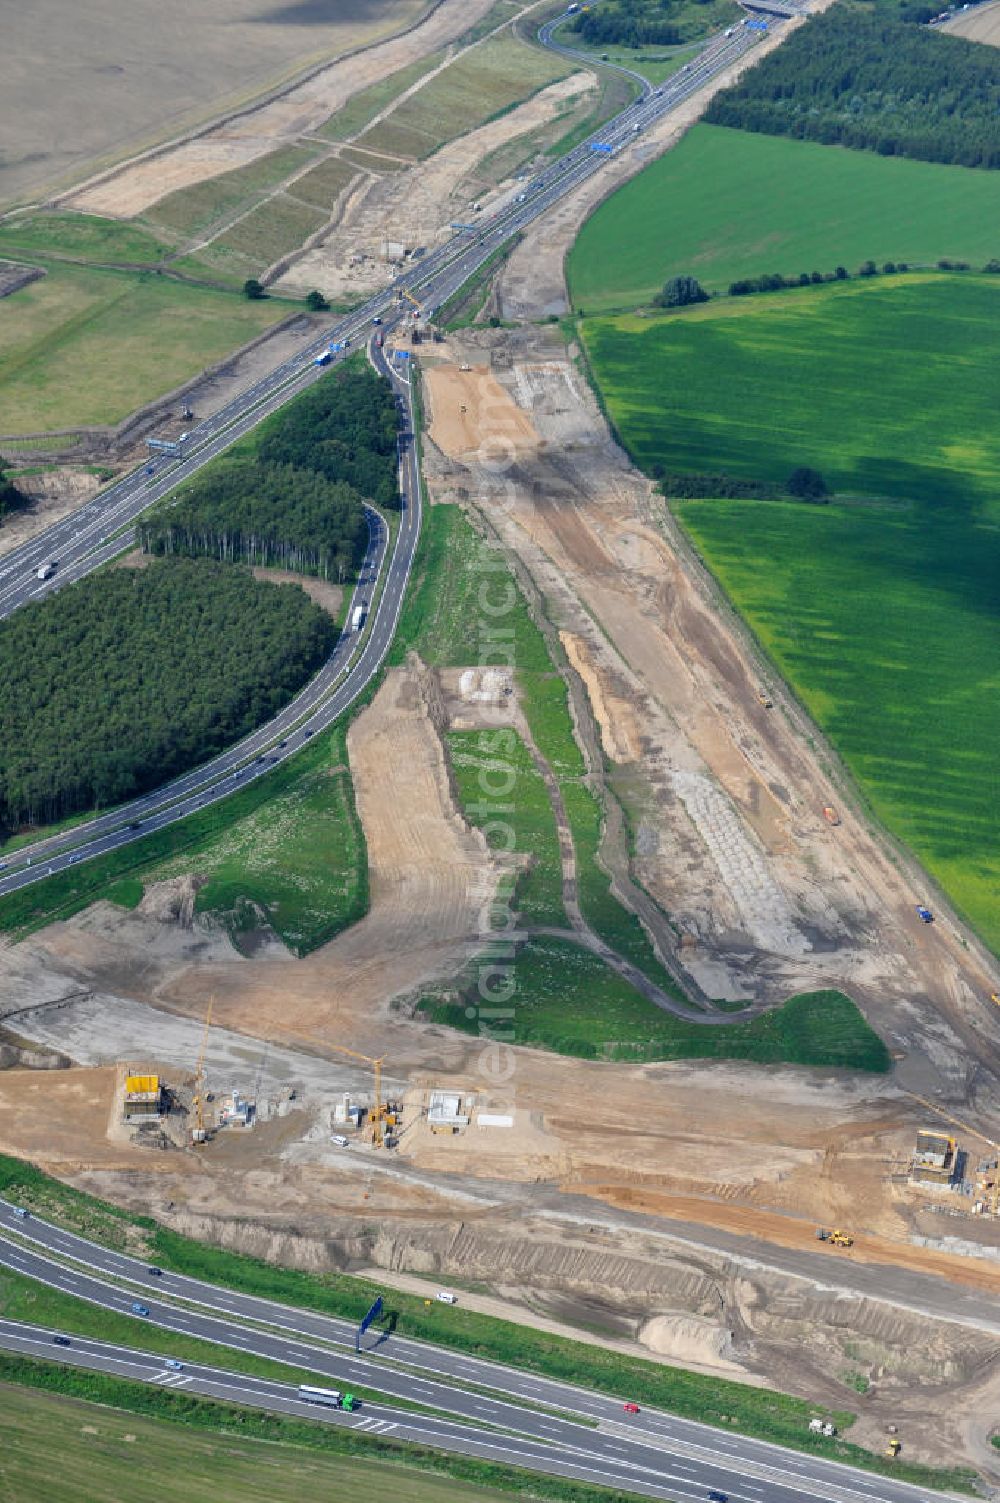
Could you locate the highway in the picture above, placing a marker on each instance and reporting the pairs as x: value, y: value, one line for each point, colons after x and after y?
x: 102, y: 529
x: 650, y: 1453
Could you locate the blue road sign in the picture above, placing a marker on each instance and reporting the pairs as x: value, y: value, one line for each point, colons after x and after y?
x: 602, y: 146
x: 373, y: 1314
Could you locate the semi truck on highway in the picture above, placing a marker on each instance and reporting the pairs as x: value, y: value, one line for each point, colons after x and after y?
x: 357, y: 618
x: 45, y: 571
x: 331, y: 1397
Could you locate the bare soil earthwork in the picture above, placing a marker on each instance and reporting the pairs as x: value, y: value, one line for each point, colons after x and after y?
x: 415, y: 206
x: 247, y: 136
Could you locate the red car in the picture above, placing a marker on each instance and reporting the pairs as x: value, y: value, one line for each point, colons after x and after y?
x: 631, y: 1408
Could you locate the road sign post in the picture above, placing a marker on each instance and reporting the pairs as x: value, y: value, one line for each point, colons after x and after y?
x: 373, y: 1314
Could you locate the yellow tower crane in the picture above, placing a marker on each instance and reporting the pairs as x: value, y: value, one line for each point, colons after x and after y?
x: 199, y: 1135
x: 380, y: 1116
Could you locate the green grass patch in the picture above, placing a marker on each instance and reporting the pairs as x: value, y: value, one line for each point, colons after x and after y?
x: 127, y: 893
x: 714, y: 1401
x: 192, y: 210
x: 85, y: 345
x: 479, y: 85
x: 882, y: 614
x: 567, y: 1000
x: 363, y: 107
x: 81, y: 237
x: 290, y: 843
x: 483, y: 761
x: 725, y: 204
x: 271, y: 231
x: 617, y: 926
x: 322, y: 185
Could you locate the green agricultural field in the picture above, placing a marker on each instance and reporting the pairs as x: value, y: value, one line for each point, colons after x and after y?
x: 39, y: 1432
x: 480, y: 84
x: 882, y: 613
x: 726, y: 204
x: 90, y: 346
x: 80, y: 237
x: 566, y: 999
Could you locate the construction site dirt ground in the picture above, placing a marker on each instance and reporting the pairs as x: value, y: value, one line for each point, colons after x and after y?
x: 415, y: 204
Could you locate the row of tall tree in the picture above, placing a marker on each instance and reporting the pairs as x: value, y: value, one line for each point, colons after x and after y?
x: 278, y: 515
x: 126, y: 678
x: 864, y: 79
x: 345, y: 428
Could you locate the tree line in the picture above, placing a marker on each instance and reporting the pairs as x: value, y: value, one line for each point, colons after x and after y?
x: 278, y: 515
x: 864, y: 79
x: 344, y: 428
x: 126, y: 678
x: 634, y: 23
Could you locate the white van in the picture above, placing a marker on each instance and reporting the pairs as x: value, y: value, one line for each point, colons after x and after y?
x: 340, y: 1140
x: 446, y: 1298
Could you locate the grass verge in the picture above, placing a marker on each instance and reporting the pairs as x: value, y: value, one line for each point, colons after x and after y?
x: 288, y: 850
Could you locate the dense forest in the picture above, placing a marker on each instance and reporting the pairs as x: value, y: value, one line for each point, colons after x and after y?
x: 860, y: 78
x: 114, y: 684
x: 345, y: 428
x: 639, y: 23
x: 272, y: 514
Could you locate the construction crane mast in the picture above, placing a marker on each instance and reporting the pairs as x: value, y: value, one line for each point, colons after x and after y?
x: 380, y: 1116
x: 199, y: 1134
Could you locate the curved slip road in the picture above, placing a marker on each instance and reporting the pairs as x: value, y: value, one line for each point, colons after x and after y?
x: 99, y: 531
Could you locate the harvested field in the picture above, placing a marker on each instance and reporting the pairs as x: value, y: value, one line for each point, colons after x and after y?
x: 248, y: 136
x: 121, y: 77
x: 415, y: 206
x: 979, y: 24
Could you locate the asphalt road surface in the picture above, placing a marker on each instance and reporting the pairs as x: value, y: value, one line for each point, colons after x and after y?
x: 102, y: 529
x: 651, y: 1453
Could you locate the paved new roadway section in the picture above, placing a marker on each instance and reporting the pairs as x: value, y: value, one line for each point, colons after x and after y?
x: 99, y: 531
x: 651, y: 1453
